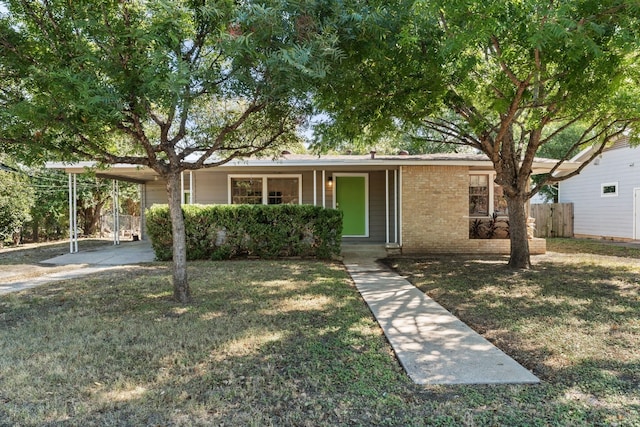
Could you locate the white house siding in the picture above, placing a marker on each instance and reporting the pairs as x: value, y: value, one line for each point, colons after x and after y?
x: 155, y: 193
x: 598, y: 216
x: 211, y: 188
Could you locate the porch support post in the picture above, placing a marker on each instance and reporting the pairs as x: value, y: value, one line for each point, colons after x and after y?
x: 315, y: 188
x: 400, y: 207
x: 70, y: 217
x: 395, y: 205
x: 73, y: 225
x: 181, y: 188
x: 386, y: 203
x: 75, y: 212
x: 118, y: 210
x: 324, y: 201
x: 113, y: 211
x: 116, y: 217
x: 143, y: 203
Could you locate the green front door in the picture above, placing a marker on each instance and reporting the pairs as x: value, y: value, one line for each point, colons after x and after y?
x: 351, y: 199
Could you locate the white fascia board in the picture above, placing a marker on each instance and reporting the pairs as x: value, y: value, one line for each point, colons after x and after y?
x: 356, y: 163
x: 539, y: 165
x: 582, y: 155
x: 69, y: 165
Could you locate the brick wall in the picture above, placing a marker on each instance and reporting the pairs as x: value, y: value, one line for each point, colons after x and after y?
x: 435, y: 206
x: 435, y: 214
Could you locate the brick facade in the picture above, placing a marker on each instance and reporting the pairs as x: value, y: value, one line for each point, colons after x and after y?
x: 435, y: 214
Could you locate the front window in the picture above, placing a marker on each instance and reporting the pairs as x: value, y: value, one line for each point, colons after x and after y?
x: 272, y: 190
x: 486, y: 197
x: 282, y: 191
x: 247, y: 191
x: 478, y: 195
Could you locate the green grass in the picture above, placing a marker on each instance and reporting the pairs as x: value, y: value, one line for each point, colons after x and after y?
x: 574, y: 320
x: 590, y: 246
x: 264, y: 343
x: 291, y: 343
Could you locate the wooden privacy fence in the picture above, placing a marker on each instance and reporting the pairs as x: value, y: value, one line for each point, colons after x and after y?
x: 553, y: 219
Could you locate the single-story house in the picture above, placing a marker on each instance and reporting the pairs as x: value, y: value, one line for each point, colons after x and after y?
x: 412, y: 203
x: 606, y: 194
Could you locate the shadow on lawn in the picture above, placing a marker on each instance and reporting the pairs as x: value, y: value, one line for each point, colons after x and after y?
x: 526, y: 313
x: 254, y: 348
x: 591, y: 292
x: 258, y: 348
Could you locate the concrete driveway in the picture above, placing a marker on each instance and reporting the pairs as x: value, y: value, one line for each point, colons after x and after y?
x: 123, y: 254
x: 70, y: 266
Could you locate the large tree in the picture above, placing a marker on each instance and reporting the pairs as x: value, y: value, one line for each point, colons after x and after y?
x: 172, y: 85
x: 503, y: 77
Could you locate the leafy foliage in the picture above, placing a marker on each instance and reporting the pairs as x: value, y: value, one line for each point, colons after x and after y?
x: 502, y: 77
x: 152, y: 83
x: 171, y: 85
x: 16, y: 199
x: 493, y: 228
x: 230, y: 231
x: 50, y: 212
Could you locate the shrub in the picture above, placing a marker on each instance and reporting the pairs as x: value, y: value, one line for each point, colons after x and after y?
x: 265, y: 231
x: 492, y: 228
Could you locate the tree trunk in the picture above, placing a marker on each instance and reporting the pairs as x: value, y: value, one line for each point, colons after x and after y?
x: 181, y: 291
x: 519, y: 257
x: 35, y: 230
x: 91, y: 218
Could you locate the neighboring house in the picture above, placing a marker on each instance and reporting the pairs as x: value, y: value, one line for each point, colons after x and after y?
x: 606, y: 194
x: 419, y: 204
x: 538, y: 199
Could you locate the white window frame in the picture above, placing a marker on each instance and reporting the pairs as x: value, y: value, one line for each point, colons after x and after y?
x: 609, y: 184
x: 264, y: 178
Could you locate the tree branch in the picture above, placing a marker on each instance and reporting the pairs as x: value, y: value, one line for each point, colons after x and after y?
x: 606, y: 138
x: 505, y: 68
x: 253, y: 108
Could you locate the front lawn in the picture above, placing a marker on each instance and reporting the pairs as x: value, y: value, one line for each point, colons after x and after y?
x: 574, y: 320
x: 292, y: 343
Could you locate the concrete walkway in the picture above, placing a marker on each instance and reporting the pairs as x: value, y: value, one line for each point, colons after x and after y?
x: 433, y: 346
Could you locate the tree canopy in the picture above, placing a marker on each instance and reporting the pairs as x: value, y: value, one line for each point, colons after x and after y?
x: 502, y: 77
x: 172, y: 85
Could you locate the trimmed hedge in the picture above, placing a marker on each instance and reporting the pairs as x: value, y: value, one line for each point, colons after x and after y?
x: 219, y: 232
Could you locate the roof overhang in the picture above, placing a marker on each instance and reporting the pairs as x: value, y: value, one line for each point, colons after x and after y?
x: 142, y: 174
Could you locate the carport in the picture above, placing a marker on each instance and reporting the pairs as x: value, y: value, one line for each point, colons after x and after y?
x: 81, y: 167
